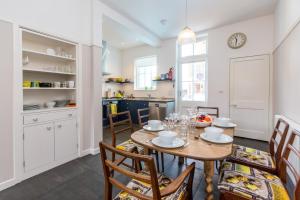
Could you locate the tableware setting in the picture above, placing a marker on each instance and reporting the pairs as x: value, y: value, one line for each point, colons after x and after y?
x: 154, y: 125
x: 216, y: 135
x: 223, y: 122
x: 168, y: 139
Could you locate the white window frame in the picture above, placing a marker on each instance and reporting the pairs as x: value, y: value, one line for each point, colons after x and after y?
x: 153, y: 84
x: 193, y: 59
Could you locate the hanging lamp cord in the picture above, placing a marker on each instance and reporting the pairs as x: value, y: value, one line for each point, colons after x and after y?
x: 186, y: 13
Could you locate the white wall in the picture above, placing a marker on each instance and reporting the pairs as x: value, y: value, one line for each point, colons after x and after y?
x: 6, y: 102
x: 287, y: 14
x: 114, y: 67
x: 259, y: 33
x: 67, y: 18
x: 166, y: 55
x: 287, y: 60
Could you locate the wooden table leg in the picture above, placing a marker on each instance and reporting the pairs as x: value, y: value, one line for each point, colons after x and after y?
x: 209, y: 173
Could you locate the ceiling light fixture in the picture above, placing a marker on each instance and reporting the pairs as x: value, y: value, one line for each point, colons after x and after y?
x: 187, y: 35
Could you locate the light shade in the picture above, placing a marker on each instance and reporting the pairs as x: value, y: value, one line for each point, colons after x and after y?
x: 186, y: 36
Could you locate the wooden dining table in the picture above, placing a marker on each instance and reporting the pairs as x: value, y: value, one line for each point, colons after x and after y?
x: 196, y: 148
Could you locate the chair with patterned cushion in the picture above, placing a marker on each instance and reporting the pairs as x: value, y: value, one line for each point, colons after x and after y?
x: 122, y: 123
x: 143, y: 117
x: 239, y: 181
x: 144, y: 185
x: 260, y: 159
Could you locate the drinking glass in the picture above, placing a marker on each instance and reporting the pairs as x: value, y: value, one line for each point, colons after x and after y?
x: 184, y: 133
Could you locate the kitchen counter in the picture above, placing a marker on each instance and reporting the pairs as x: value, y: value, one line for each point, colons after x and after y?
x: 152, y: 99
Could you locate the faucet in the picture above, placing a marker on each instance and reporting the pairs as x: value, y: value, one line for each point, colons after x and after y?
x: 149, y: 96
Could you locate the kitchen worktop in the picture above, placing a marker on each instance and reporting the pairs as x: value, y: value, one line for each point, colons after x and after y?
x: 152, y: 99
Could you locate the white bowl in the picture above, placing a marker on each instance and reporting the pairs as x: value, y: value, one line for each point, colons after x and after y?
x: 213, y: 132
x: 202, y: 124
x: 154, y: 124
x: 50, y: 104
x: 223, y: 121
x: 167, y: 137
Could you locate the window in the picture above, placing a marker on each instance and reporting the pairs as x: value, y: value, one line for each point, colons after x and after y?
x: 144, y: 73
x: 193, y: 76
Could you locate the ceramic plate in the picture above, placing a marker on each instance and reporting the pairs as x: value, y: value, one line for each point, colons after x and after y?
x: 223, y: 139
x: 229, y: 125
x: 176, y: 143
x: 148, y: 128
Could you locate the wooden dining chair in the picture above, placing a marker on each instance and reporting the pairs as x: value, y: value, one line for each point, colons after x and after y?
x: 243, y: 182
x: 145, y: 185
x: 213, y: 111
x: 263, y: 160
x: 143, y: 117
x: 123, y: 126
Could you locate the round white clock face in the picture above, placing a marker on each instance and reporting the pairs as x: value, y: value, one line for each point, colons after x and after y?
x: 237, y: 40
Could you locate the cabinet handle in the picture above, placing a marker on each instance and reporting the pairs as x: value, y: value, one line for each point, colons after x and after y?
x: 49, y: 128
x: 70, y: 114
x: 35, y: 119
x: 59, y: 126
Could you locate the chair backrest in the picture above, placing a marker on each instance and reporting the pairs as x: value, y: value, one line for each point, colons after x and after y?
x: 110, y: 166
x: 285, y: 163
x: 122, y: 120
x: 213, y: 111
x: 276, y: 147
x: 143, y: 116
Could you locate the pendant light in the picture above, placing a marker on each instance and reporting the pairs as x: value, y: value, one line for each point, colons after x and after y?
x: 186, y: 35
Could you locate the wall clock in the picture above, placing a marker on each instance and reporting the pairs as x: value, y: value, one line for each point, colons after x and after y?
x: 237, y: 40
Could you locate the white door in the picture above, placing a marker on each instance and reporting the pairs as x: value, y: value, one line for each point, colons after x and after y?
x: 38, y: 146
x: 250, y: 96
x: 65, y: 139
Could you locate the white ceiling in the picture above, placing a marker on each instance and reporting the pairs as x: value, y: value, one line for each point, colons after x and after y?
x: 118, y: 35
x: 202, y: 14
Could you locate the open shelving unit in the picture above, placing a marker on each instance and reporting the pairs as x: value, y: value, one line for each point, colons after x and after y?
x: 48, y: 59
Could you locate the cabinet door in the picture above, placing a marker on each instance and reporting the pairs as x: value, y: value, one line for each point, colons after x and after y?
x: 65, y: 139
x: 38, y: 146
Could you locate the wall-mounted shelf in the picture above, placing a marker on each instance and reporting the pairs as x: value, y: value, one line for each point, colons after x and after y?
x: 165, y: 80
x: 40, y: 88
x: 127, y: 82
x: 48, y: 56
x: 47, y: 71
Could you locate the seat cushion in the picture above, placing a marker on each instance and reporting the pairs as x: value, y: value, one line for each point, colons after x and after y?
x: 129, y: 145
x: 252, y: 157
x: 145, y: 189
x: 250, y: 183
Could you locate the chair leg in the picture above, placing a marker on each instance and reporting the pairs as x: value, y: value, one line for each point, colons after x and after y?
x: 157, y: 160
x: 162, y: 161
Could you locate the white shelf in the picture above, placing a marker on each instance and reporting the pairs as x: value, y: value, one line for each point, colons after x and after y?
x: 47, y: 71
x: 62, y: 58
x: 48, y: 109
x: 37, y: 88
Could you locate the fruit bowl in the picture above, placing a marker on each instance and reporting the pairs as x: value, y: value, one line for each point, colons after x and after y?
x: 203, y: 121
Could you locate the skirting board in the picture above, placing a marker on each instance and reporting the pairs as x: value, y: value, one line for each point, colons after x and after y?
x: 90, y: 151
x: 9, y: 183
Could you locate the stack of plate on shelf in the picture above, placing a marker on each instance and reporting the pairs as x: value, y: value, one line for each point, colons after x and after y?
x: 31, y: 107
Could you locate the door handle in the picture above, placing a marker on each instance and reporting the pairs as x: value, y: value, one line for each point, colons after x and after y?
x: 59, y: 126
x: 49, y: 128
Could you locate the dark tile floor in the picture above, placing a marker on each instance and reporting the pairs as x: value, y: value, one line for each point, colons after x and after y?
x: 82, y: 179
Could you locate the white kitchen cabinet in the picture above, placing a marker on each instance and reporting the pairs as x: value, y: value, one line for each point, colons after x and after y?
x: 50, y: 139
x: 65, y: 139
x: 38, y: 146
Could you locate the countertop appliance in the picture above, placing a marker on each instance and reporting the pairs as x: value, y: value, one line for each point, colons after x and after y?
x: 160, y: 110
